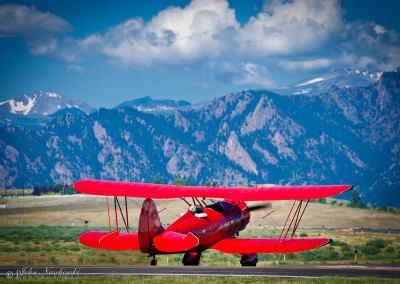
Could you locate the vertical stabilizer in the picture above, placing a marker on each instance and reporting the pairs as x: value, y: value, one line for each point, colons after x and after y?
x: 149, y: 226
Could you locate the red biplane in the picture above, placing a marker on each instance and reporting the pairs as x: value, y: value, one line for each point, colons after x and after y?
x: 213, y: 226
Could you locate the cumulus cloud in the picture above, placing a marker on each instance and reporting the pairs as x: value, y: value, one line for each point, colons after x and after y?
x: 288, y: 27
x: 205, y: 39
x: 372, y: 45
x: 199, y: 30
x: 27, y: 22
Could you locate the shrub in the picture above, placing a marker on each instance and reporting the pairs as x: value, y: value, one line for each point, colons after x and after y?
x: 80, y: 260
x: 4, y: 248
x: 390, y: 250
x: 114, y: 260
x: 379, y: 243
x: 53, y: 260
x: 374, y: 247
x: 74, y: 247
x: 344, y: 246
x: 370, y: 250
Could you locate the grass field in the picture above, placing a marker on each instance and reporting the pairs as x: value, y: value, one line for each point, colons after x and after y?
x: 16, y: 192
x: 58, y: 245
x: 316, y: 215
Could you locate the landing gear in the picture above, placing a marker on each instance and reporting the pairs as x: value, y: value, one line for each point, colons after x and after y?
x: 154, y: 261
x: 191, y: 258
x: 249, y: 259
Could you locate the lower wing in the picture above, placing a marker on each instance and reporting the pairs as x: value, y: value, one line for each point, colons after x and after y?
x: 247, y: 246
x: 113, y: 241
x: 165, y: 242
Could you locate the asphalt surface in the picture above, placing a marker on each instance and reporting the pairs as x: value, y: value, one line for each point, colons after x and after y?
x: 308, y: 271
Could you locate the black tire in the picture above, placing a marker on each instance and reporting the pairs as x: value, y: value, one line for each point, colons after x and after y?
x: 153, y: 262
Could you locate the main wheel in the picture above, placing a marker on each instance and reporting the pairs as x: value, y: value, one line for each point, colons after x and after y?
x: 153, y: 262
x: 191, y: 258
x: 249, y: 259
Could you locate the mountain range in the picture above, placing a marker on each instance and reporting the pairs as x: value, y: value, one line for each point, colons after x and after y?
x: 149, y: 105
x: 33, y: 110
x: 343, y: 135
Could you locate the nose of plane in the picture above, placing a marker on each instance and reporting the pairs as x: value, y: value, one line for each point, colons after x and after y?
x: 92, y: 239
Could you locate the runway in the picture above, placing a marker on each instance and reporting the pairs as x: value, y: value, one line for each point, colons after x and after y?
x: 306, y: 271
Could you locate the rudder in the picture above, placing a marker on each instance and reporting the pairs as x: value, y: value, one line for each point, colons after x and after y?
x: 149, y: 226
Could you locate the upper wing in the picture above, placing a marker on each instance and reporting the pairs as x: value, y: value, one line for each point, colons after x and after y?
x: 163, y: 191
x: 247, y: 246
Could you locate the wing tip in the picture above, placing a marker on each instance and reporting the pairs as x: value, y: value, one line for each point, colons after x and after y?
x: 327, y: 243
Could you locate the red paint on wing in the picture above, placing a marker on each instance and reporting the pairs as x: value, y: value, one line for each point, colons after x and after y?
x: 107, y: 240
x: 247, y: 246
x: 162, y: 191
x: 175, y: 242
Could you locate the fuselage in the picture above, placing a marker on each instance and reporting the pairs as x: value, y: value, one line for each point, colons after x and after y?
x: 221, y: 220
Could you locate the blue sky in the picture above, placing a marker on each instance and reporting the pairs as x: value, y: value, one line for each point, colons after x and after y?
x: 104, y: 53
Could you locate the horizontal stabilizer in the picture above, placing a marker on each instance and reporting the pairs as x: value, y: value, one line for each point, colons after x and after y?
x: 247, y: 246
x: 107, y: 240
x: 175, y: 242
x: 164, y: 191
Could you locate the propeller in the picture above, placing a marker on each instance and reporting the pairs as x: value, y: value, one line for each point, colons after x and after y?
x: 260, y: 206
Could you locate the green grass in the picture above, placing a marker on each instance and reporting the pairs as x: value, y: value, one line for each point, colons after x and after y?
x: 51, y: 245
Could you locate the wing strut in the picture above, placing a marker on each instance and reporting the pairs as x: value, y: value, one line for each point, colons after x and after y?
x: 296, y: 216
x: 108, y: 211
x: 126, y: 222
x: 122, y: 215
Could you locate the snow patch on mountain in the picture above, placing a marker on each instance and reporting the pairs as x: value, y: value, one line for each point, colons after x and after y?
x: 341, y: 77
x: 311, y: 82
x: 16, y: 107
x: 302, y: 92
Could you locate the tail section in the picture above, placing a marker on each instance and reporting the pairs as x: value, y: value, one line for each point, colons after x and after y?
x: 149, y: 226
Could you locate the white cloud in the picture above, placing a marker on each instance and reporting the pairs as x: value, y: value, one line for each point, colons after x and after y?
x: 287, y: 27
x: 43, y: 47
x: 306, y: 64
x: 372, y: 46
x: 254, y: 75
x: 90, y: 41
x: 67, y: 48
x: 27, y: 22
x: 379, y: 29
x: 76, y: 69
x: 205, y: 40
x: 173, y: 36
